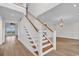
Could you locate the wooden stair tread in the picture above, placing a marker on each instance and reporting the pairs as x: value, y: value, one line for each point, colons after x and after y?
x: 31, y: 42
x: 29, y: 38
x: 36, y: 52
x: 26, y: 31
x: 44, y: 39
x: 46, y: 48
x: 28, y: 34
x: 46, y: 42
x: 34, y: 46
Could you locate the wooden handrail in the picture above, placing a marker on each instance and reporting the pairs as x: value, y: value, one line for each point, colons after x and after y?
x: 41, y: 22
x: 31, y: 23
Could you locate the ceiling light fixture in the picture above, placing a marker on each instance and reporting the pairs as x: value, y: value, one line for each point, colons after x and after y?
x: 75, y: 5
x: 61, y: 22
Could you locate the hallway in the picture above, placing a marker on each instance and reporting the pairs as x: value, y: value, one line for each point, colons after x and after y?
x: 13, y: 47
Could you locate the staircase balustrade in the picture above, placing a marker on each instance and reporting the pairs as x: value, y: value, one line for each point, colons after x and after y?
x: 44, y: 39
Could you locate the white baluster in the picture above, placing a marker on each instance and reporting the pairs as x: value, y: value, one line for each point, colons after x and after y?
x: 54, y: 40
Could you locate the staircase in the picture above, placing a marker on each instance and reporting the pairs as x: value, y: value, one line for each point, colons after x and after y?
x: 32, y: 42
x: 40, y: 41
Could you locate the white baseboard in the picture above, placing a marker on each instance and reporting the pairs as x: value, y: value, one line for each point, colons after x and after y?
x: 75, y: 38
x: 1, y: 43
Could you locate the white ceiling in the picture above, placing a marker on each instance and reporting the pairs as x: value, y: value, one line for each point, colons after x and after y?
x: 9, y: 14
x: 13, y: 6
x: 39, y: 8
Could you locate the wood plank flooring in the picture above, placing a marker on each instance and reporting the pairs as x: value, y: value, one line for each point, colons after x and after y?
x: 13, y: 47
x: 65, y: 47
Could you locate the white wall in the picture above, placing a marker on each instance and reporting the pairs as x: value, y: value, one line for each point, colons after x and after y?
x: 68, y: 31
x: 39, y: 8
x: 0, y: 30
x: 3, y: 30
x: 70, y: 18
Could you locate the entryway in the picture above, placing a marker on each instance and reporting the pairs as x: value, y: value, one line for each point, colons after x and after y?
x: 11, y: 32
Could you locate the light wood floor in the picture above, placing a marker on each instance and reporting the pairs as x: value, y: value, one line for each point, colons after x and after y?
x: 13, y: 47
x: 65, y: 47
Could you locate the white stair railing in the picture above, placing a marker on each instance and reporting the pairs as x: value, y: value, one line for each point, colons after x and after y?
x: 38, y: 36
x: 52, y: 38
x: 50, y: 35
x: 40, y: 42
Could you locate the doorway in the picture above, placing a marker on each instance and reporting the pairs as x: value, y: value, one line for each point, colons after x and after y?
x: 11, y: 32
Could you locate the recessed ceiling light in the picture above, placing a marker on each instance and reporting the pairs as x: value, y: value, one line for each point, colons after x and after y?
x: 75, y: 5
